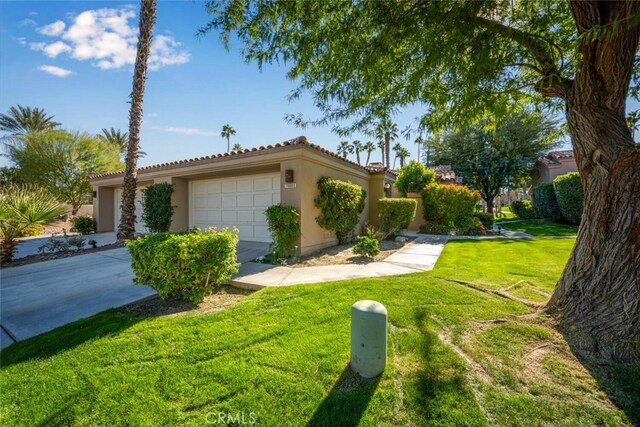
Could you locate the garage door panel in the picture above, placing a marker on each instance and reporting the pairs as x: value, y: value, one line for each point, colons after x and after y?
x: 235, y: 202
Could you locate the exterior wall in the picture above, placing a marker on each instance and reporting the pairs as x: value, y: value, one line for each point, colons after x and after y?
x: 418, y: 220
x: 104, y: 209
x: 547, y: 173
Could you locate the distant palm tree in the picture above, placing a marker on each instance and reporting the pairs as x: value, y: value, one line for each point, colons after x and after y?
x: 227, y: 132
x: 127, y: 227
x: 369, y: 147
x: 400, y: 153
x: 119, y: 139
x: 381, y: 147
x: 237, y: 147
x: 22, y: 120
x: 386, y: 131
x: 344, y: 149
x: 357, y: 148
x: 420, y: 142
x: 633, y: 120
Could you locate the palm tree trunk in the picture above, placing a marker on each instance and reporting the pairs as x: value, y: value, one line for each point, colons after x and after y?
x: 228, y: 144
x: 387, y: 148
x: 368, y: 156
x: 358, y: 155
x: 128, y: 217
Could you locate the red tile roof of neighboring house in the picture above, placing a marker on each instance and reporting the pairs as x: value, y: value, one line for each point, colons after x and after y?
x: 301, y: 140
x: 444, y: 172
x: 556, y: 157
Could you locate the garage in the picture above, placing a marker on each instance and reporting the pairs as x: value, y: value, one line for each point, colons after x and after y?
x: 117, y: 194
x: 235, y: 202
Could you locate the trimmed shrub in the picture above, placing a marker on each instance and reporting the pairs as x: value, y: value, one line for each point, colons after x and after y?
x: 157, y: 210
x: 366, y: 246
x: 470, y: 226
x: 433, y: 228
x: 340, y: 204
x: 396, y: 214
x: 486, y: 219
x: 546, y: 203
x: 284, y: 226
x: 523, y: 209
x: 413, y: 177
x: 83, y: 224
x: 447, y: 204
x: 570, y: 196
x: 187, y: 264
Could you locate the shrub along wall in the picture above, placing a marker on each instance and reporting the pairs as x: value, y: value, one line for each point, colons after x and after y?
x: 340, y: 204
x: 284, y: 225
x: 413, y: 177
x: 187, y: 264
x: 570, y: 196
x: 396, y: 214
x: 448, y: 204
x: 157, y: 210
x: 546, y: 203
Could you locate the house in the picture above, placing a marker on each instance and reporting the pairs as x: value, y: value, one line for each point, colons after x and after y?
x: 234, y: 189
x: 445, y: 174
x: 556, y: 163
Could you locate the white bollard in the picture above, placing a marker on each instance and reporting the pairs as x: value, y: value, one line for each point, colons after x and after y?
x: 368, y: 338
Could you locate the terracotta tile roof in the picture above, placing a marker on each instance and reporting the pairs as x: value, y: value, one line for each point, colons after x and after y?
x: 301, y: 140
x: 556, y: 157
x: 444, y: 172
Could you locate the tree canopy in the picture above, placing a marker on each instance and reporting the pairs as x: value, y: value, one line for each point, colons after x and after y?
x: 21, y: 120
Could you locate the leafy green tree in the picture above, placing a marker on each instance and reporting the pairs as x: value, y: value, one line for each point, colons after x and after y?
x: 9, y: 176
x: 344, y: 149
x: 386, y: 131
x: 464, y: 59
x: 227, y: 132
x: 633, y: 121
x: 120, y: 139
x: 22, y: 120
x: 61, y: 161
x: 146, y: 21
x: 20, y: 208
x: 493, y: 156
x: 369, y: 147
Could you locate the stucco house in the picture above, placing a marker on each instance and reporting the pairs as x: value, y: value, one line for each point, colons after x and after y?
x: 556, y: 163
x: 234, y: 189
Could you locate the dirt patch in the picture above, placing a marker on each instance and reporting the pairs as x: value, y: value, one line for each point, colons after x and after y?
x: 222, y: 298
x: 343, y: 254
x: 31, y: 259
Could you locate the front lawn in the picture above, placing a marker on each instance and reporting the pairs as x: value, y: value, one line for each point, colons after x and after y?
x: 541, y: 228
x: 466, y: 347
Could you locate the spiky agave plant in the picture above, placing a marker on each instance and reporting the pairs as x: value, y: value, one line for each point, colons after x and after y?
x: 22, y: 206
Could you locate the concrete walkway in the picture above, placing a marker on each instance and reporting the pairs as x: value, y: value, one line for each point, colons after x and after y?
x: 419, y: 255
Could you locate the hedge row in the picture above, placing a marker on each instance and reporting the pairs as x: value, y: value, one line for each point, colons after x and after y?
x: 396, y: 214
x: 340, y: 204
x: 570, y: 196
x: 448, y: 204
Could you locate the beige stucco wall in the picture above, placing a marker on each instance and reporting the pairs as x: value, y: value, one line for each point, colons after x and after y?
x: 547, y: 173
x: 103, y: 209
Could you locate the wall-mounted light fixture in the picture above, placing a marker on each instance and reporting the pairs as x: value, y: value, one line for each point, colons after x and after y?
x: 288, y: 175
x: 387, y: 186
x: 94, y: 194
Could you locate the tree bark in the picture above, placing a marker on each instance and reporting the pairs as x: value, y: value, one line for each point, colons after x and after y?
x: 489, y: 202
x: 126, y: 229
x: 597, y: 299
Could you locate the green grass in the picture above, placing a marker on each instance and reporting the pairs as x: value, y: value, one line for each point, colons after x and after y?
x: 457, y: 355
x: 541, y: 228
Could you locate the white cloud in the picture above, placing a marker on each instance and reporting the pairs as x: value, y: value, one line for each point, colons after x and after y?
x: 56, y: 71
x: 185, y: 131
x: 21, y: 40
x: 53, y: 29
x: 108, y: 38
x: 27, y: 23
x: 33, y: 13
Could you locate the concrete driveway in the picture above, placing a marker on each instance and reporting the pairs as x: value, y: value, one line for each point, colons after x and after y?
x: 37, y: 298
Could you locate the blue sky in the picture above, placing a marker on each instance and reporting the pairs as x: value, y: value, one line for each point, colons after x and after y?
x: 55, y: 55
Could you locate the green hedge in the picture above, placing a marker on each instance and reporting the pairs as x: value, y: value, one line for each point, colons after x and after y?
x: 448, y: 204
x: 523, y: 209
x: 83, y: 224
x: 486, y: 219
x: 284, y: 225
x: 413, y: 177
x: 570, y: 196
x: 157, y: 210
x: 187, y: 265
x: 546, y: 203
x: 366, y: 246
x: 340, y: 204
x: 396, y: 214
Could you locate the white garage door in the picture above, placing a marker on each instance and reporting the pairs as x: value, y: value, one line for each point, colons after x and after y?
x: 235, y: 202
x: 140, y: 228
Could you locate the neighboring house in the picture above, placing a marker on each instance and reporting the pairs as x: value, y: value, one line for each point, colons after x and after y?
x: 445, y: 174
x: 556, y: 163
x: 234, y: 189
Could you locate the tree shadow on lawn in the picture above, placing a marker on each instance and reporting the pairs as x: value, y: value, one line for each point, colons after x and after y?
x: 346, y: 402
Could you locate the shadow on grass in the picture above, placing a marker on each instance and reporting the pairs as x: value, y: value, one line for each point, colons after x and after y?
x: 346, y: 402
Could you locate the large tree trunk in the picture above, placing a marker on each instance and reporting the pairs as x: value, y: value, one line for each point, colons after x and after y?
x: 597, y: 300
x: 128, y: 217
x: 489, y: 202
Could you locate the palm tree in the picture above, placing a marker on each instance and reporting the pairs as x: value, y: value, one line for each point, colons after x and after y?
x: 20, y: 208
x: 145, y: 34
x: 118, y: 138
x: 386, y: 131
x: 369, y: 147
x: 227, y: 132
x: 237, y: 147
x: 22, y: 120
x: 357, y: 148
x: 344, y: 149
x: 420, y: 142
x: 401, y: 153
x: 381, y: 147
